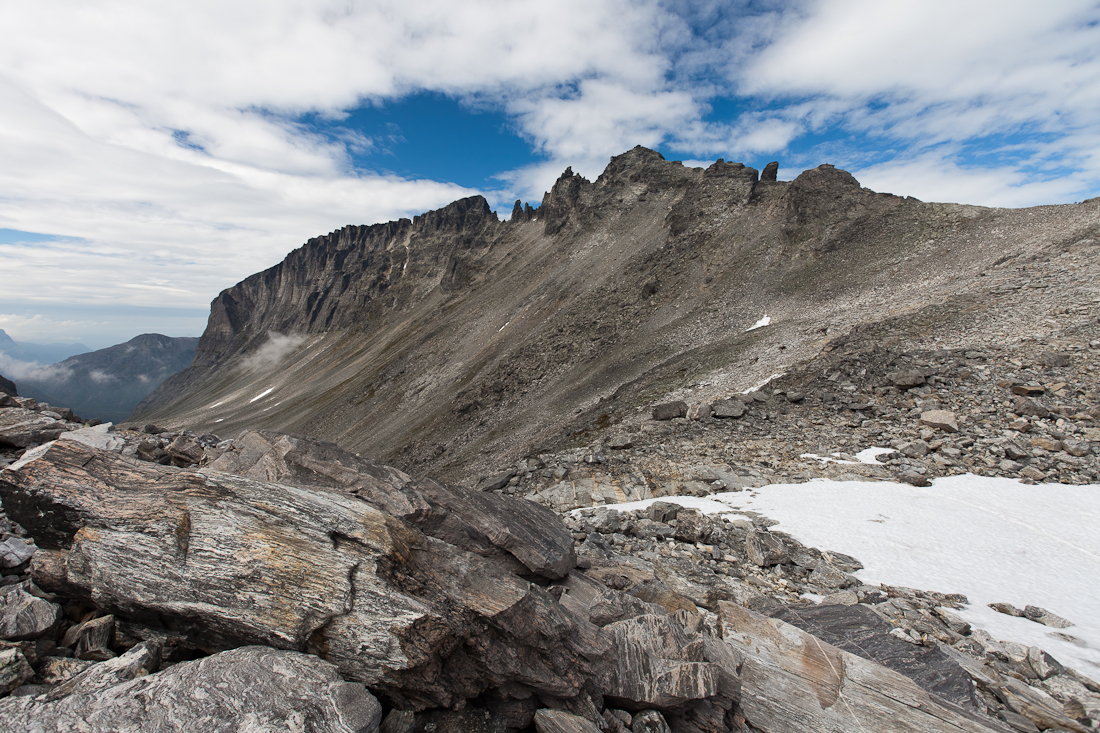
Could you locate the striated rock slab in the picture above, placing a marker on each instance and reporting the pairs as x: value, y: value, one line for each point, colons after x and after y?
x: 252, y: 688
x: 20, y: 427
x: 559, y: 721
x: 224, y: 560
x: 793, y: 682
x: 859, y: 630
x: 23, y: 616
x: 485, y: 523
x: 662, y: 665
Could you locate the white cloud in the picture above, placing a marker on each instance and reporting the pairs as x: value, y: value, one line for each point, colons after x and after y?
x: 17, y: 370
x: 916, y: 74
x: 277, y: 347
x: 936, y: 177
x: 162, y: 136
x: 42, y: 329
x: 101, y: 377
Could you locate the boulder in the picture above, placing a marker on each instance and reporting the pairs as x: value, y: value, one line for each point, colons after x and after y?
x: 725, y: 409
x: 559, y: 721
x: 485, y: 523
x: 859, y: 630
x: 96, y: 437
x: 649, y: 721
x: 1054, y: 359
x: 21, y: 427
x: 907, y: 379
x: 770, y: 172
x: 941, y: 420
x: 23, y: 616
x: 226, y: 561
x: 765, y: 549
x: 92, y: 639
x: 1025, y: 407
x: 670, y: 410
x: 1045, y: 617
x: 495, y: 483
x: 661, y: 665
x: 693, y: 526
x: 252, y: 688
x: 185, y: 451
x: 14, y: 670
x: 825, y: 575
x: 15, y: 551
x: 698, y: 411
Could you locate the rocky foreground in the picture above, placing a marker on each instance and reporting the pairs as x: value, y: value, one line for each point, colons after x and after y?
x: 160, y: 581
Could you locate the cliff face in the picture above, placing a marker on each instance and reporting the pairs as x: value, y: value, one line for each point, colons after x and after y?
x: 455, y: 341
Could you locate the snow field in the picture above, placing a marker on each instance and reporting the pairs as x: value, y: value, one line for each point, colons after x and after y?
x: 991, y: 539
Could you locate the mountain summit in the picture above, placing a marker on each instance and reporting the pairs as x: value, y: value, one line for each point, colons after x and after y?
x: 454, y: 341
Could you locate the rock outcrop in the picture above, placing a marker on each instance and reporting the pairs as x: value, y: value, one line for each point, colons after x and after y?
x: 253, y: 688
x: 225, y: 560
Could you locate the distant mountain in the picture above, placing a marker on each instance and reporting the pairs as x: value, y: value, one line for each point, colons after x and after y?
x: 43, y: 354
x: 108, y: 383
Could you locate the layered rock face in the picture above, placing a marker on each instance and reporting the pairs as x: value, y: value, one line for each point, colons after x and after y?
x: 454, y: 342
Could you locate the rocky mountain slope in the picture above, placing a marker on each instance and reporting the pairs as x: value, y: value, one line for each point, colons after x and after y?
x: 454, y: 343
x: 108, y: 383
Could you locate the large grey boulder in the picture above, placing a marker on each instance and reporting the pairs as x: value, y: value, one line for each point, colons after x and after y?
x: 859, y: 630
x: 20, y: 427
x: 229, y: 561
x: 662, y: 665
x: 255, y: 689
x: 485, y: 523
x: 23, y: 616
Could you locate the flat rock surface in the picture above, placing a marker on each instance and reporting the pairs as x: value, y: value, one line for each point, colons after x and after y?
x: 859, y: 630
x: 793, y: 682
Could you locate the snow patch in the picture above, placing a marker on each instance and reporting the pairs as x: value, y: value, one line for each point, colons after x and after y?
x: 868, y: 455
x: 766, y: 320
x: 265, y: 393
x: 211, y: 407
x: 219, y: 419
x: 764, y: 383
x: 991, y: 539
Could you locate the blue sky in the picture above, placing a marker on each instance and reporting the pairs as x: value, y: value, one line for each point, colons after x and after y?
x: 154, y: 155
